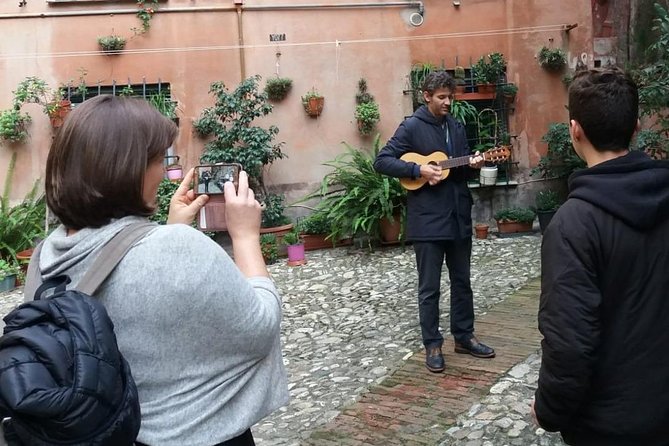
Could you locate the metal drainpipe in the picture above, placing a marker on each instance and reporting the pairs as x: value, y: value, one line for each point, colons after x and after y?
x: 407, y: 4
x: 240, y: 37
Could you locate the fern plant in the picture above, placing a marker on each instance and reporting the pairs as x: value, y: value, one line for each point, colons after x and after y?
x: 20, y: 225
x: 355, y: 197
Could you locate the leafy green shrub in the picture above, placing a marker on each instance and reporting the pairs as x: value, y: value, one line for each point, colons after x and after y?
x: 561, y: 159
x: 367, y: 115
x: 316, y: 223
x: 522, y: 215
x: 268, y: 248
x: 236, y: 139
x: 489, y: 68
x: 654, y: 142
x: 111, y: 43
x: 272, y: 215
x: 164, y: 104
x: 8, y: 269
x: 166, y: 190
x: 13, y: 125
x: 547, y: 200
x: 463, y: 111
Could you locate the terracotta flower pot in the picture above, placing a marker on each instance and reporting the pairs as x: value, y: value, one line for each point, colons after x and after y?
x: 314, y: 106
x: 509, y: 227
x: 481, y: 231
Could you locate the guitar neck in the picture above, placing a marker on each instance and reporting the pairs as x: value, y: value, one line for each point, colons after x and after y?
x: 455, y: 162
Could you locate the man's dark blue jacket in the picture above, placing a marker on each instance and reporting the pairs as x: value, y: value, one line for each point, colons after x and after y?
x: 443, y: 211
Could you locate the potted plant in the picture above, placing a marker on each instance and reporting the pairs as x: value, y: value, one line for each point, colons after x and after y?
x: 111, y: 44
x: 487, y: 71
x: 22, y: 224
x: 268, y: 247
x: 58, y: 108
x: 277, y: 88
x: 237, y: 140
x: 313, y: 103
x: 515, y: 219
x: 367, y: 110
x: 8, y: 273
x: 547, y: 202
x: 459, y: 75
x: 294, y: 248
x: 561, y: 159
x: 552, y: 59
x: 315, y: 229
x: 367, y: 114
x: 508, y: 92
x: 273, y: 218
x: 356, y: 198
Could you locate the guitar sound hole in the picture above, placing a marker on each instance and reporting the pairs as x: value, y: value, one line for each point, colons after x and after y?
x: 432, y: 163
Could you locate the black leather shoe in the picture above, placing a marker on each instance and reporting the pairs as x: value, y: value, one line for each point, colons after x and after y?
x: 474, y: 348
x: 434, y: 360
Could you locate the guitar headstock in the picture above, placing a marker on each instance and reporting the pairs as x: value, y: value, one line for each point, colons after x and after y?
x: 498, y: 154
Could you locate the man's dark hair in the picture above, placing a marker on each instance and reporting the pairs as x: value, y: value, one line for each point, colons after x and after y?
x: 438, y: 79
x: 98, y: 159
x: 605, y: 103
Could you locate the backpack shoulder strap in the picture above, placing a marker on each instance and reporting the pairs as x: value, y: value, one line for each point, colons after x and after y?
x: 110, y: 256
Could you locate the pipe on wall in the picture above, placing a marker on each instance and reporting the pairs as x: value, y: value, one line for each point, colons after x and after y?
x: 407, y: 4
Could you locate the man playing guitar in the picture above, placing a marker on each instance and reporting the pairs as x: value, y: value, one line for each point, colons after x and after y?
x: 438, y: 215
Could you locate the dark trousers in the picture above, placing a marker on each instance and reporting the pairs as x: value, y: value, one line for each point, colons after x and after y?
x: 429, y: 260
x: 245, y: 439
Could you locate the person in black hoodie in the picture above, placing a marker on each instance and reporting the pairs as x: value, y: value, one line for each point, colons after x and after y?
x: 439, y: 216
x: 604, y: 309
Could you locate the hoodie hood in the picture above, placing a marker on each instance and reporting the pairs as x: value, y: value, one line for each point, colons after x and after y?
x: 63, y: 254
x: 633, y: 188
x: 426, y: 115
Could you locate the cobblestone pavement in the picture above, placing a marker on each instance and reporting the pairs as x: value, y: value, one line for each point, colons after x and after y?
x: 350, y: 320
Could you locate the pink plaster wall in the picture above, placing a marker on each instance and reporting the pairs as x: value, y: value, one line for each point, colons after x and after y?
x: 376, y: 43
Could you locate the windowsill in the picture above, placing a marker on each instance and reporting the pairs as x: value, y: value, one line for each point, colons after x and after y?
x: 510, y: 183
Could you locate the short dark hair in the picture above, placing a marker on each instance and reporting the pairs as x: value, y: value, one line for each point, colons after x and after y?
x: 605, y: 102
x: 438, y: 79
x: 98, y: 159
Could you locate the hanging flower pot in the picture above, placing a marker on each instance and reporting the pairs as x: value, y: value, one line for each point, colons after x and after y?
x: 57, y: 112
x: 313, y: 103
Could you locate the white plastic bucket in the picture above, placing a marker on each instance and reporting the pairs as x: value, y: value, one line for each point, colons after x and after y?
x: 488, y: 176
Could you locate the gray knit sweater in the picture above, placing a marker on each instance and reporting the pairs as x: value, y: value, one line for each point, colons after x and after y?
x: 202, y: 340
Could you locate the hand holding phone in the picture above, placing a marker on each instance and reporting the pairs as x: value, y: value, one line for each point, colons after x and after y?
x: 210, y: 180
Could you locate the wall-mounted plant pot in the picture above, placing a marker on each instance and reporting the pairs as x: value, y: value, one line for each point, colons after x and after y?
x: 58, y: 112
x: 314, y: 106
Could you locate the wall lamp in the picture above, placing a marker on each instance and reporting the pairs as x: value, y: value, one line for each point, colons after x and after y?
x: 456, y: 3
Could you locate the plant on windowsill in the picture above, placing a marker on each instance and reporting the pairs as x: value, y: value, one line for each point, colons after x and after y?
x: 459, y: 75
x: 112, y: 44
x: 277, y: 88
x: 313, y: 103
x: 515, y: 219
x: 488, y: 70
x: 553, y: 60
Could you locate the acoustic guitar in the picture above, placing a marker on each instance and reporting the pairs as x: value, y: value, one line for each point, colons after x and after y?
x: 495, y: 155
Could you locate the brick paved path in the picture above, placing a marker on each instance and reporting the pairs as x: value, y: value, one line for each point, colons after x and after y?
x: 415, y: 406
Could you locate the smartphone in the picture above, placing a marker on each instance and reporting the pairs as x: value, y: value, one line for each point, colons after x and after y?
x: 210, y: 180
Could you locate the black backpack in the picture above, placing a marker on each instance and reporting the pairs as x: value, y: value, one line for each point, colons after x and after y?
x: 63, y: 380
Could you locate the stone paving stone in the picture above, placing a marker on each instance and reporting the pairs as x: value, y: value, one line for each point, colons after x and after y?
x: 350, y: 322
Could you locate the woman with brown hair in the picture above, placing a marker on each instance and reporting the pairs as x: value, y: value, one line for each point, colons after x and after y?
x: 200, y: 332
